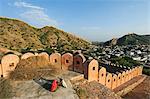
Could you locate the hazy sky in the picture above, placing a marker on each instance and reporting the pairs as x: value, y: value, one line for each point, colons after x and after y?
x: 95, y: 20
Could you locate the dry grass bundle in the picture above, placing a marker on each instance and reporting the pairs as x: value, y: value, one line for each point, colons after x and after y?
x: 33, y: 67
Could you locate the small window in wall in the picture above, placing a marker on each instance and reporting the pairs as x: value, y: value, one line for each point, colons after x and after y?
x: 67, y: 61
x: 119, y: 77
x: 55, y: 60
x: 114, y: 80
x: 123, y: 76
x: 1, y: 75
x: 108, y: 80
x: 78, y: 62
x: 102, y: 75
x: 93, y: 68
x: 11, y: 65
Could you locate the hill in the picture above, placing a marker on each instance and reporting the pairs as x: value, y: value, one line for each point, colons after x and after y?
x: 130, y: 39
x: 19, y: 36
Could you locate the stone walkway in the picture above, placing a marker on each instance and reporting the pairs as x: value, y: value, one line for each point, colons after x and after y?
x: 29, y: 89
x: 32, y: 90
x: 129, y: 86
x: 142, y: 91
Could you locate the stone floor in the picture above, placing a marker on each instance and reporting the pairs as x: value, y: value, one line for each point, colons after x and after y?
x: 142, y: 91
x: 32, y: 90
x: 130, y: 85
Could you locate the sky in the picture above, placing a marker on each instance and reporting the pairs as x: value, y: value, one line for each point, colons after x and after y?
x: 93, y: 20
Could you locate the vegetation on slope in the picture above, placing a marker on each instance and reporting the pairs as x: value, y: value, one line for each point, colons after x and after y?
x: 19, y: 36
x: 130, y: 39
x: 146, y: 70
x: 125, y: 61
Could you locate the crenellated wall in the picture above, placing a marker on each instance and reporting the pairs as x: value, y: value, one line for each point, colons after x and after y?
x: 110, y: 75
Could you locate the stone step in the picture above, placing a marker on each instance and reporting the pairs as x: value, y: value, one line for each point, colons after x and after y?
x: 73, y: 76
x: 77, y: 78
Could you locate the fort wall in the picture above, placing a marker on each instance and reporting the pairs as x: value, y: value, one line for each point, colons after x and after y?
x: 111, y: 75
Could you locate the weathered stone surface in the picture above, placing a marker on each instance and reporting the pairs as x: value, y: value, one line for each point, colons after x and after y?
x: 102, y: 75
x: 27, y: 55
x: 119, y: 77
x: 141, y: 91
x: 130, y: 74
x: 1, y: 72
x: 78, y: 61
x: 114, y: 81
x: 67, y: 61
x: 128, y: 86
x: 26, y: 89
x: 126, y: 75
x: 32, y: 90
x: 9, y: 63
x: 108, y: 80
x: 44, y: 55
x: 91, y: 70
x: 94, y: 90
x: 123, y: 77
x: 55, y: 60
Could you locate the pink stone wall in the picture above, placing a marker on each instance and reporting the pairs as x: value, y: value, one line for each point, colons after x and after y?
x: 141, y: 69
x: 27, y: 55
x: 67, y: 61
x: 119, y: 78
x: 9, y: 63
x: 126, y: 75
x: 36, y: 54
x: 78, y: 62
x: 123, y: 77
x: 86, y: 69
x: 44, y: 55
x: 102, y: 75
x: 134, y: 72
x: 130, y: 74
x: 42, y: 59
x: 109, y: 80
x: 114, y: 81
x: 55, y: 60
x: 138, y: 70
x: 1, y: 72
x: 91, y: 70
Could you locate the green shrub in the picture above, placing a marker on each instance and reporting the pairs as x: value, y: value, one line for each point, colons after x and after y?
x: 146, y: 71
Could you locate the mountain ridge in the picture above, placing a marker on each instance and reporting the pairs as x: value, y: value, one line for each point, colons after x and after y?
x: 18, y: 35
x: 129, y: 39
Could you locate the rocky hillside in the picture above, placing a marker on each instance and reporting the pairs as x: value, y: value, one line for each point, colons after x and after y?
x: 130, y: 39
x: 18, y: 35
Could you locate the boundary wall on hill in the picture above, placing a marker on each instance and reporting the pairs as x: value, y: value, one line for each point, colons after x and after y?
x: 91, y: 69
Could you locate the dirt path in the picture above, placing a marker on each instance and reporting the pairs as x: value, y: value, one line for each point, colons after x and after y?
x: 142, y: 91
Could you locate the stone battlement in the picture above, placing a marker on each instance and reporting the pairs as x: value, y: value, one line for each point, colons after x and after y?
x: 110, y: 75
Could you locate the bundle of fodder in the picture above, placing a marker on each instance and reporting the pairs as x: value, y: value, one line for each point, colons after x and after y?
x: 33, y: 62
x: 33, y: 67
x: 27, y: 74
x: 42, y: 61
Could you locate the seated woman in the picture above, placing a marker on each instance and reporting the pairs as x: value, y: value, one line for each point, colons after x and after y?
x: 51, y: 85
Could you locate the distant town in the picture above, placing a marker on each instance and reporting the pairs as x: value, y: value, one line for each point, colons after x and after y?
x: 140, y: 53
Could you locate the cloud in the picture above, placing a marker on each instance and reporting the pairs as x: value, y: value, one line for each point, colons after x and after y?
x: 35, y: 15
x: 27, y: 5
x: 39, y: 18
